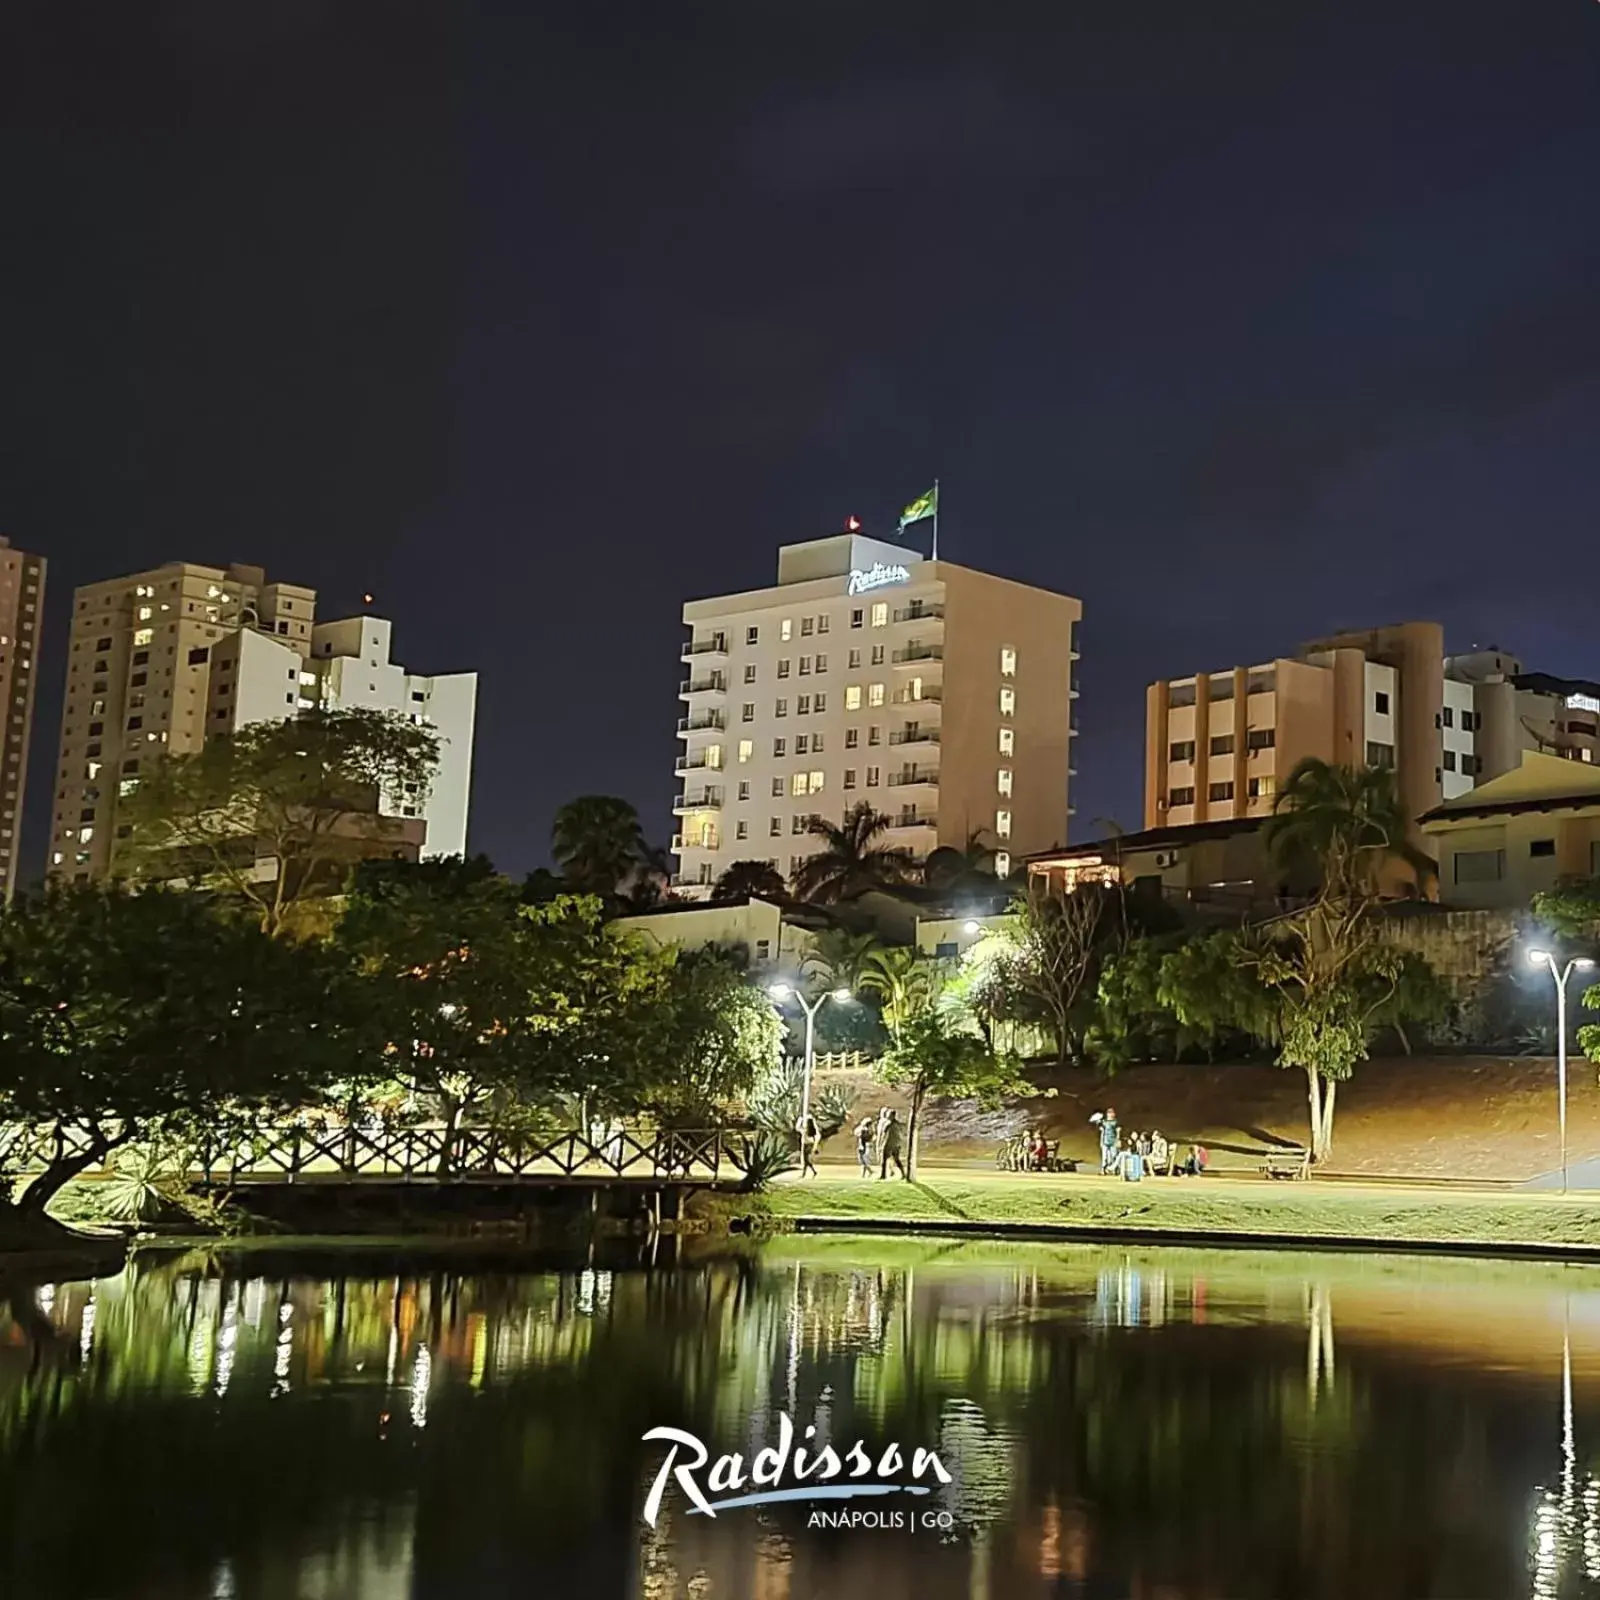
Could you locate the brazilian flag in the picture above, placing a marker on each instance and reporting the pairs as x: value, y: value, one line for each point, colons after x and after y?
x: 925, y: 505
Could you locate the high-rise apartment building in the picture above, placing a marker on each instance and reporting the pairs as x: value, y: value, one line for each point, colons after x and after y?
x: 160, y: 661
x: 942, y: 696
x: 352, y: 666
x: 21, y: 608
x: 1217, y: 745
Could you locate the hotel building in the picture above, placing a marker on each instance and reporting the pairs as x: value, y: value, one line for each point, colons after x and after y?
x: 160, y: 661
x: 940, y: 695
x: 21, y: 607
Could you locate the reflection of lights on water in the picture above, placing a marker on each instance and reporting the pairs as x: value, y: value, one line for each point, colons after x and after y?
x: 223, y: 1586
x: 86, y: 1330
x: 594, y: 1291
x: 285, y: 1350
x: 421, y: 1373
x: 45, y: 1295
x: 1566, y: 1522
x: 979, y: 1457
x: 227, y: 1343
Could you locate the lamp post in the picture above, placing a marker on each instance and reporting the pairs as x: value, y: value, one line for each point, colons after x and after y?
x: 787, y: 991
x: 1561, y: 974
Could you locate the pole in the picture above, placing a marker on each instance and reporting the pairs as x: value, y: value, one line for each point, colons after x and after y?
x: 811, y: 1056
x: 1561, y: 1060
x: 935, y: 519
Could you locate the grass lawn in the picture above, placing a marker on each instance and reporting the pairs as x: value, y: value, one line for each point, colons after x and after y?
x: 1212, y: 1206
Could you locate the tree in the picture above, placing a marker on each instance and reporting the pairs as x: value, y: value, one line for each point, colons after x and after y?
x: 158, y: 1015
x: 969, y: 869
x: 1062, y: 938
x: 907, y: 983
x: 598, y: 844
x: 843, y: 957
x: 743, y: 880
x: 1344, y: 824
x: 1572, y: 912
x: 933, y: 1054
x: 852, y: 860
x: 302, y: 795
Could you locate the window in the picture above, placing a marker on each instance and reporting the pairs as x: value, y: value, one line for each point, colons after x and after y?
x: 1449, y: 761
x: 797, y: 785
x: 1183, y: 796
x: 1471, y: 721
x: 1471, y: 765
x: 797, y: 823
x: 143, y: 636
x: 141, y: 658
x: 747, y: 712
x: 874, y: 694
x: 1379, y: 755
x: 1008, y: 663
x: 1008, y: 702
x: 822, y: 662
x: 1380, y: 702
x: 1220, y: 791
x: 855, y: 618
x: 752, y: 635
x: 1003, y: 780
x: 801, y: 744
x: 145, y: 613
x: 1002, y: 858
x: 822, y: 625
x: 101, y: 646
x: 780, y: 748
x: 814, y: 782
x: 783, y: 667
x: 780, y: 708
x: 744, y: 788
x: 750, y: 673
x: 1263, y: 788
x: 197, y: 657
x: 1002, y: 824
x: 852, y: 697
x: 1480, y: 866
x: 1261, y: 739
x: 774, y: 827
x: 874, y: 776
x: 855, y: 660
x: 877, y: 655
x: 1008, y: 741
x: 819, y: 702
x: 802, y: 705
x: 777, y: 788
x: 714, y: 755
x: 852, y: 738
x: 1181, y: 750
x: 747, y: 749
x: 741, y: 830
x: 849, y: 777
x: 805, y: 666
x: 1447, y: 717
x: 1222, y: 745
x: 133, y: 722
x: 786, y: 629
x: 874, y: 735
x: 880, y: 614
x: 1541, y: 847
x: 816, y: 742
x: 807, y: 626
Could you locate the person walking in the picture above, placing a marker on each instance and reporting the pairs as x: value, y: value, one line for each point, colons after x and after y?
x: 810, y: 1138
x: 864, y: 1146
x: 1110, y: 1139
x: 890, y: 1144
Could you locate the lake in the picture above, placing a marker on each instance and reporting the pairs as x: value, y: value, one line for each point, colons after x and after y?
x: 325, y: 1423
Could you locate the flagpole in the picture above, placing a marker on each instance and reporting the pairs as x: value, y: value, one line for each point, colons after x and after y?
x: 935, y: 519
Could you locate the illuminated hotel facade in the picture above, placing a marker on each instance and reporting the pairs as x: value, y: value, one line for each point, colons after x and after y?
x: 941, y: 696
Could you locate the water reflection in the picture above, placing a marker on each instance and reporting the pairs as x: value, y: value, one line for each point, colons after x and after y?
x: 349, y: 1426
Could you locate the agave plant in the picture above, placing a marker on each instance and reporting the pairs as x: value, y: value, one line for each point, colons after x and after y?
x: 776, y: 1099
x: 766, y: 1155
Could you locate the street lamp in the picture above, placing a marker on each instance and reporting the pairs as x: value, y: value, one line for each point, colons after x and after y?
x: 1561, y: 974
x: 787, y: 991
x: 972, y: 927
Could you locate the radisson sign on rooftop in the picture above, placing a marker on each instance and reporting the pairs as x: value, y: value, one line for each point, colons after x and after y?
x: 877, y: 576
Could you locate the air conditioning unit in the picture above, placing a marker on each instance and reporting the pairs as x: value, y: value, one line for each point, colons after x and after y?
x: 1166, y: 858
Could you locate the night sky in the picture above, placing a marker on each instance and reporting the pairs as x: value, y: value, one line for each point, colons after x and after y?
x: 1242, y: 322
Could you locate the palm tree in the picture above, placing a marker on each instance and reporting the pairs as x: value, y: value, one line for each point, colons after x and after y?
x: 850, y: 860
x: 956, y: 869
x: 842, y: 957
x: 905, y: 981
x: 1342, y: 824
x: 650, y: 883
x: 597, y: 842
x: 744, y: 879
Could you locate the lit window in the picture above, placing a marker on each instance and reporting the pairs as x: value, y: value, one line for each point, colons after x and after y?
x: 1002, y: 863
x: 875, y: 694
x: 747, y: 749
x: 85, y: 835
x: 880, y: 614
x: 145, y: 613
x: 144, y: 589
x: 1008, y: 663
x: 143, y: 636
x: 797, y: 784
x: 1008, y: 741
x: 816, y: 782
x: 126, y: 787
x: 1008, y: 702
x: 914, y: 689
x: 786, y: 629
x: 92, y: 771
x: 1002, y: 824
x: 1003, y: 780
x: 852, y: 697
x: 713, y: 755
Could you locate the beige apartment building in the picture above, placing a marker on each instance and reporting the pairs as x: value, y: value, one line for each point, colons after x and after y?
x: 941, y: 695
x: 21, y: 608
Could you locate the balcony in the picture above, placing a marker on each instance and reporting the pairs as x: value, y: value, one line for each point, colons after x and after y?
x: 916, y: 653
x: 694, y: 763
x: 705, y: 683
x: 910, y: 821
x: 702, y: 722
x: 921, y: 611
x: 930, y: 696
x: 912, y: 778
x: 705, y: 649
x: 698, y: 800
x: 914, y: 736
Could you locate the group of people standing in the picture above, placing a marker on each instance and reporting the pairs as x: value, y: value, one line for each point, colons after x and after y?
x: 1150, y: 1152
x: 883, y: 1138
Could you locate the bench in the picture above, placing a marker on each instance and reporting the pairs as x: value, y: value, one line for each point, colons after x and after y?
x: 1286, y: 1164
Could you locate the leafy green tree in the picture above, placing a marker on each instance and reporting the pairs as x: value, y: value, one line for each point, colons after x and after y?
x: 1343, y: 825
x: 598, y: 844
x: 853, y: 858
x: 156, y: 1016
x: 1212, y: 993
x: 744, y: 879
x: 1572, y: 913
x: 907, y: 983
x: 301, y: 795
x: 843, y: 957
x: 935, y: 1054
